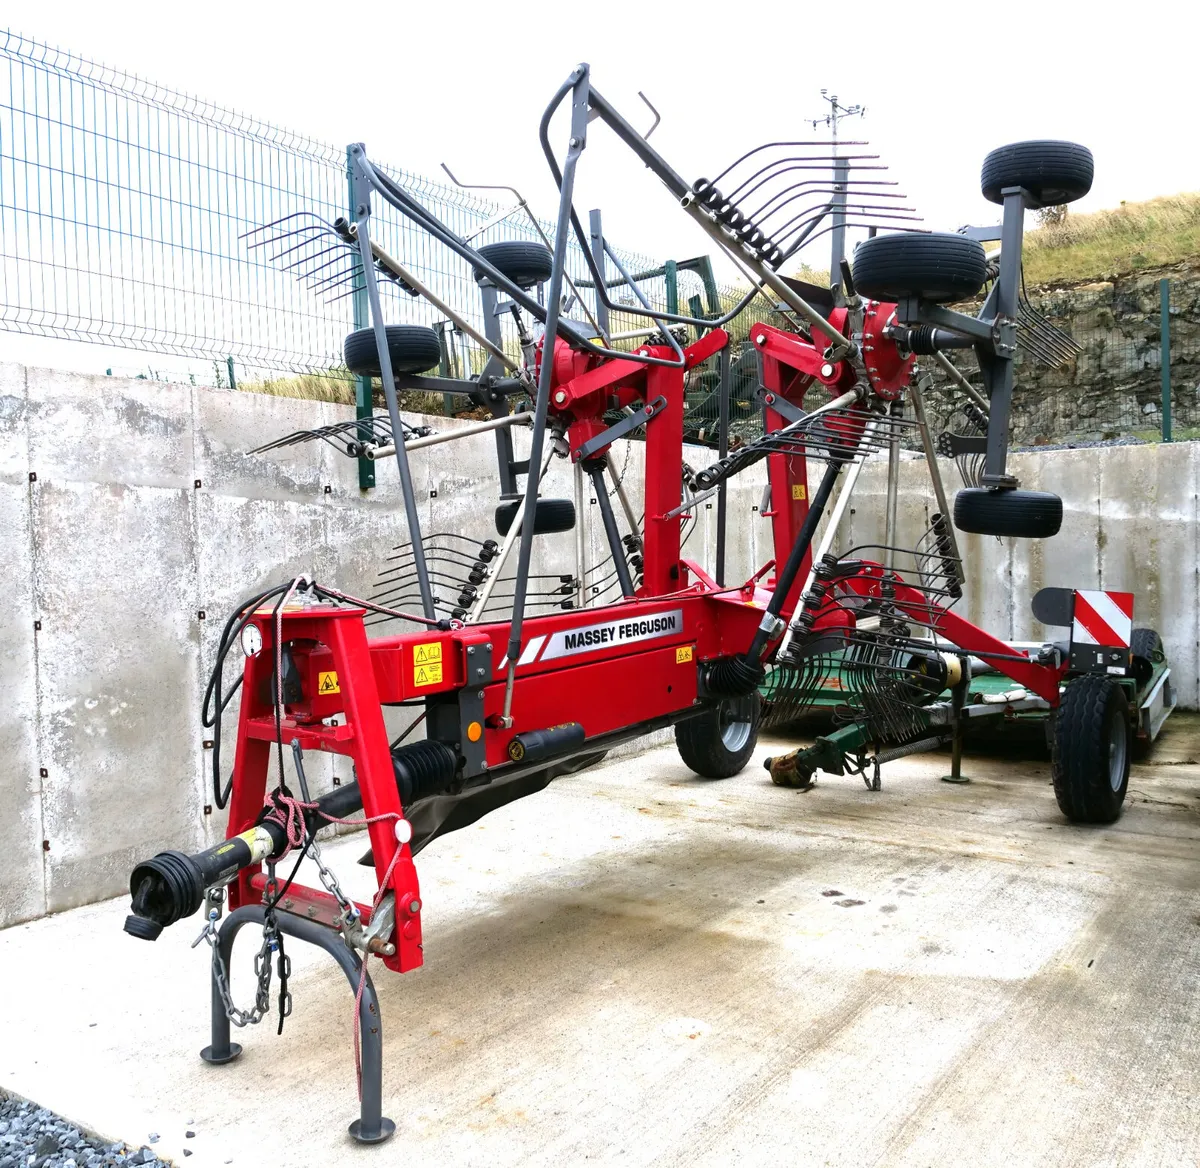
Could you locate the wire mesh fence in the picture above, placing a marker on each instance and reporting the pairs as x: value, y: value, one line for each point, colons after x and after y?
x: 124, y: 210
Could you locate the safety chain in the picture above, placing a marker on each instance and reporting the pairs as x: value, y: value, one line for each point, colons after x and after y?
x: 330, y: 883
x: 272, y: 943
x: 262, y: 967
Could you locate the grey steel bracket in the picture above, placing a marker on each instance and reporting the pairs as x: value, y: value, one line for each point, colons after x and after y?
x: 784, y: 408
x: 956, y: 445
x: 982, y: 234
x: 626, y: 425
x: 371, y: 1127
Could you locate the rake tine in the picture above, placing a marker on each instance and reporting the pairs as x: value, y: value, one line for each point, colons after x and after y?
x: 334, y: 278
x: 822, y: 163
x: 306, y: 235
x: 760, y: 219
x: 297, y: 264
x: 284, y: 219
x: 826, y: 144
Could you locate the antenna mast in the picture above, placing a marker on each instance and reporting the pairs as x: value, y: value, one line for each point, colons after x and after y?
x: 841, y: 169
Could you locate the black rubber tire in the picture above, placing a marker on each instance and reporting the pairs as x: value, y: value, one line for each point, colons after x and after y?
x: 1052, y: 172
x: 939, y: 268
x: 707, y: 743
x: 525, y: 264
x: 413, y: 348
x: 1089, y: 766
x: 549, y: 516
x: 1145, y: 650
x: 1146, y: 643
x: 1023, y: 514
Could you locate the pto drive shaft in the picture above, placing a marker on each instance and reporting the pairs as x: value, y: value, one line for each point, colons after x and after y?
x: 172, y: 885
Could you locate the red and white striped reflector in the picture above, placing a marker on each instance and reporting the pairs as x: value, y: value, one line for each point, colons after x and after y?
x: 1103, y: 618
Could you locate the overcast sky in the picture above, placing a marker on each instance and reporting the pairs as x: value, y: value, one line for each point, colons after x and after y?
x: 466, y: 83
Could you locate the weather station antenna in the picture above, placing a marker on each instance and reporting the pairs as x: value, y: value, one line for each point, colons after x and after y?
x: 836, y: 113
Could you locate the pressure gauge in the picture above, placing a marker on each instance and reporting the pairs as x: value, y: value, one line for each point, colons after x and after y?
x: 251, y: 640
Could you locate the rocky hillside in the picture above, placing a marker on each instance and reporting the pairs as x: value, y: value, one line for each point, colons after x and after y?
x: 1112, y: 390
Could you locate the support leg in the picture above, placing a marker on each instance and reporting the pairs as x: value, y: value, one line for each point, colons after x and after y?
x: 372, y: 1127
x: 958, y: 698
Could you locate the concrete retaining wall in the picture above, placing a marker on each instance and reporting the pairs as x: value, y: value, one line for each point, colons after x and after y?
x: 127, y: 509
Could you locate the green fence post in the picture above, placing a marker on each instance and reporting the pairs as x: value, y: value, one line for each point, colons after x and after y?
x: 671, y: 278
x: 1164, y: 358
x: 363, y: 405
x: 232, y: 379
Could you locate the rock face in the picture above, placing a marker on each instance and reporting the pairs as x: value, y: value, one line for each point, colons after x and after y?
x: 1113, y: 388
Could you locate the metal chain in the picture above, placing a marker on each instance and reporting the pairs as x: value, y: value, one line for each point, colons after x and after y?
x: 262, y: 969
x: 330, y: 883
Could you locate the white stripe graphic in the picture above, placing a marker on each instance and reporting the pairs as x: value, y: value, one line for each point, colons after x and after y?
x: 1109, y: 612
x: 531, y: 650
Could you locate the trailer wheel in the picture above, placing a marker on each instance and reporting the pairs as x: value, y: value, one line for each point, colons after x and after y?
x: 1024, y: 514
x: 719, y: 742
x: 525, y: 264
x: 1092, y: 743
x: 1146, y: 651
x: 413, y: 348
x: 1052, y: 172
x: 941, y: 268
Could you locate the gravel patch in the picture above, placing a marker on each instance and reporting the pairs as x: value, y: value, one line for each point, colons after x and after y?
x: 34, y: 1137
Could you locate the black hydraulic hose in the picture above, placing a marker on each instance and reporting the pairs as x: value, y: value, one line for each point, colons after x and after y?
x: 787, y: 577
x: 212, y: 694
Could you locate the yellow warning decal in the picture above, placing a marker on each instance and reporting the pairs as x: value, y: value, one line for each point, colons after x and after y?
x: 327, y: 683
x: 799, y: 492
x: 683, y: 654
x: 427, y: 663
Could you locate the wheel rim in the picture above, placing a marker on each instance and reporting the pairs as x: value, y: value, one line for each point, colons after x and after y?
x: 1117, y: 744
x: 735, y: 733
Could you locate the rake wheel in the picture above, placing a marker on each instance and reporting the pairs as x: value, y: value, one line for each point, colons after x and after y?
x: 935, y: 267
x: 412, y: 349
x: 1052, y: 172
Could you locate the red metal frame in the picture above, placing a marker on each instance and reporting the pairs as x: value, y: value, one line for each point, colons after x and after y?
x: 346, y: 679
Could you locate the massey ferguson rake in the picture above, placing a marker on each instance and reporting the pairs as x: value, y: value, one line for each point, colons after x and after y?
x: 523, y: 677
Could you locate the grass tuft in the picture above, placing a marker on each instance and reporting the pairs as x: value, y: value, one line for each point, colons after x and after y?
x: 1126, y: 239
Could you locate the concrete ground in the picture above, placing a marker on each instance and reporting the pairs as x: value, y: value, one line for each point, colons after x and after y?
x: 641, y: 967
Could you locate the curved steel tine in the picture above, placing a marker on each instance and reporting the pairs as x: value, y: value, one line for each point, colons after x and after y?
x: 824, y: 162
x: 772, y: 145
x: 865, y: 214
x: 286, y: 218
x: 830, y: 190
x: 341, y: 264
x: 858, y: 210
x: 775, y: 166
x: 307, y: 242
x: 316, y: 263
x: 849, y: 187
x: 343, y: 295
x: 791, y: 251
x: 307, y: 257
x: 320, y: 287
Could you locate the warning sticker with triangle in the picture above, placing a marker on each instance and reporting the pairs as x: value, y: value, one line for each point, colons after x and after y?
x: 428, y: 654
x: 327, y: 683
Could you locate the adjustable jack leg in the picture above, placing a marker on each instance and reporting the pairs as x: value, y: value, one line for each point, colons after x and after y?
x: 372, y: 1127
x: 958, y: 698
